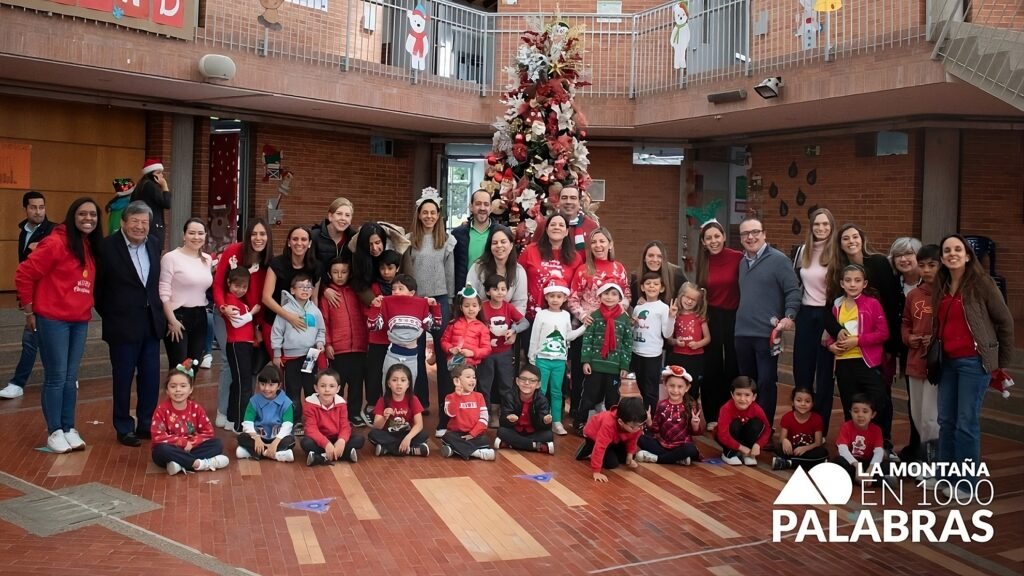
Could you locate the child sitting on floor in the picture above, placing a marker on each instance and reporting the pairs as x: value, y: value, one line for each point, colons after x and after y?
x: 670, y: 429
x: 860, y: 439
x: 182, y: 433
x: 743, y: 428
x: 466, y: 409
x: 398, y: 418
x: 525, y: 416
x: 610, y: 437
x: 268, y: 421
x: 801, y: 434
x: 328, y: 432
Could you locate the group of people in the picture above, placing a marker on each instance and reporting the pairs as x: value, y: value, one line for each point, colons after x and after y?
x: 339, y: 322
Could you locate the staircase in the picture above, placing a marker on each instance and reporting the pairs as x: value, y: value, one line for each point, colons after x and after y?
x: 95, y: 361
x: 988, y: 50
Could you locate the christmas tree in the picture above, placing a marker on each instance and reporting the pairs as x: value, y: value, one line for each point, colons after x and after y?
x: 539, y: 144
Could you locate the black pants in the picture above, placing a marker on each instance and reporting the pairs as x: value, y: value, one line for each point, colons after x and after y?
x: 240, y: 356
x: 720, y: 367
x: 614, y: 456
x: 297, y: 384
x: 391, y: 440
x: 754, y: 356
x: 648, y: 377
x: 813, y: 363
x: 855, y: 377
x: 375, y: 373
x: 193, y: 336
x: 494, y: 376
x: 668, y: 455
x: 247, y: 442
x: 808, y: 459
x: 577, y: 380
x: 912, y: 451
x: 745, y: 433
x: 354, y: 442
x: 463, y: 447
x: 352, y: 367
x: 509, y: 436
x: 165, y: 453
x: 597, y: 387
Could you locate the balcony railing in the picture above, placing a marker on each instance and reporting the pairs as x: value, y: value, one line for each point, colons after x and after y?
x: 630, y: 55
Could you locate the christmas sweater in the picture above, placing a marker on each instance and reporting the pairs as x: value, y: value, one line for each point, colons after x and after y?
x: 239, y: 328
x: 469, y: 335
x: 179, y: 427
x: 273, y: 418
x: 405, y: 318
x: 593, y: 339
x: 552, y: 332
x: 801, y: 433
x: 689, y: 327
x: 730, y: 413
x: 403, y: 414
x: 500, y: 321
x: 583, y: 299
x: 603, y: 429
x: 540, y: 272
x: 468, y: 413
x: 651, y: 326
x: 672, y: 424
x: 377, y: 336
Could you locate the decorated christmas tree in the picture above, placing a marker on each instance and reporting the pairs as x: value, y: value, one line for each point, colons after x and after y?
x: 539, y: 144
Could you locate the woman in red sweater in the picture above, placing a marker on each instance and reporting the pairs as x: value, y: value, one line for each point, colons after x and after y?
x: 55, y: 287
x: 976, y: 331
x: 549, y: 257
x: 718, y: 272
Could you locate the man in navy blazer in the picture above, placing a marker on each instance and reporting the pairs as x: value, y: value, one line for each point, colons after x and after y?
x: 133, y: 320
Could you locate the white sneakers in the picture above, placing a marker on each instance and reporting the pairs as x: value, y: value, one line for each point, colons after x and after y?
x: 497, y: 443
x: 242, y: 453
x: 12, y: 391
x: 645, y: 456
x: 74, y: 440
x: 483, y: 454
x: 173, y: 468
x: 284, y: 456
x: 207, y: 362
x: 732, y: 460
x: 440, y: 432
x: 220, y: 421
x: 750, y: 461
x: 211, y: 464
x: 557, y: 428
x: 58, y: 443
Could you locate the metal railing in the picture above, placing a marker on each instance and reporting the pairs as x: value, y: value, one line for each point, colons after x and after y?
x: 982, y: 42
x: 629, y: 54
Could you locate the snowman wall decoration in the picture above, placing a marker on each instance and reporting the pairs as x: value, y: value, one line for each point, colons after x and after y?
x: 680, y: 39
x: 416, y: 43
x: 808, y: 25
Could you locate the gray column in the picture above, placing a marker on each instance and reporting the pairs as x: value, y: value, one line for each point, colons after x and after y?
x: 182, y: 145
x: 940, y: 198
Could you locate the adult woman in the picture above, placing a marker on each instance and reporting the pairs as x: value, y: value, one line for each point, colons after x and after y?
x: 154, y: 190
x: 55, y: 287
x: 600, y: 268
x: 253, y: 253
x: 549, y: 257
x: 184, y: 278
x: 903, y: 259
x: 432, y: 255
x: 330, y: 239
x: 976, y: 330
x: 366, y: 246
x: 718, y: 272
x: 296, y: 257
x: 654, y: 260
x: 501, y: 258
x: 812, y: 362
x: 853, y: 249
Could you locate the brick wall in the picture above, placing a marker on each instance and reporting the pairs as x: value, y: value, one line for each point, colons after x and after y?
x: 881, y: 194
x: 998, y: 14
x: 992, y: 201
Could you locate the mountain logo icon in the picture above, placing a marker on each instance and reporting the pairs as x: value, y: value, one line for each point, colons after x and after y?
x: 825, y: 484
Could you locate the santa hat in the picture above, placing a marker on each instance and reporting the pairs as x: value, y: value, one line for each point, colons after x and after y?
x: 1001, y: 382
x: 676, y: 371
x: 610, y: 286
x: 557, y: 285
x: 419, y: 11
x: 152, y: 165
x: 123, y: 186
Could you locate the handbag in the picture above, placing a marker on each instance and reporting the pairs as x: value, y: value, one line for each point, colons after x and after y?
x: 934, y: 356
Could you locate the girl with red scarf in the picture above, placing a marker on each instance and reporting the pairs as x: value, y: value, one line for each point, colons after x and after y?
x: 607, y: 351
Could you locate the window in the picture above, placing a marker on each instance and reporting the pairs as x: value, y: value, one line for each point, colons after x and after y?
x: 314, y: 4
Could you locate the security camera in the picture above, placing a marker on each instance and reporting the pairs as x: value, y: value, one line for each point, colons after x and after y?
x: 769, y: 87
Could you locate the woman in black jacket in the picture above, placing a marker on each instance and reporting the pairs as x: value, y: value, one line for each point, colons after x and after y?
x: 154, y: 190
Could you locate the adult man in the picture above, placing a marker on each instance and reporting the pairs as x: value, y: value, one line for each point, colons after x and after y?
x: 471, y: 237
x: 768, y: 291
x: 580, y: 225
x: 32, y: 230
x: 133, y: 319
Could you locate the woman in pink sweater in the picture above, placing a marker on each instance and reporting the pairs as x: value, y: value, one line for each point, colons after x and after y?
x: 185, y: 277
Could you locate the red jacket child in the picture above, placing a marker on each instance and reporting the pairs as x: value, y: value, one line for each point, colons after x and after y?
x: 729, y: 412
x: 604, y: 430
x: 345, y: 324
x: 468, y: 335
x: 323, y: 422
x: 468, y: 413
x: 247, y: 331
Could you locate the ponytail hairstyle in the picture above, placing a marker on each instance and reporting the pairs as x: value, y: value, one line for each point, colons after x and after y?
x: 702, y: 303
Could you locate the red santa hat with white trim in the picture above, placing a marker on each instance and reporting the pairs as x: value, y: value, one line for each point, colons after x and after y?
x: 557, y: 285
x: 152, y: 165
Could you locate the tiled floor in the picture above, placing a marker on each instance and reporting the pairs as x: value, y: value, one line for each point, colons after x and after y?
x: 435, y: 516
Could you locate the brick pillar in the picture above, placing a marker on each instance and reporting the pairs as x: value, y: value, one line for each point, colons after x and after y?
x: 158, y: 145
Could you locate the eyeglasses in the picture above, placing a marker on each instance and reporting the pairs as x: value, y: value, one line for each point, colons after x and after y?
x: 751, y: 233
x: 528, y: 380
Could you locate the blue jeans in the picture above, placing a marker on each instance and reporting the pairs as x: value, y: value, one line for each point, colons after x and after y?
x: 224, y: 378
x: 61, y: 346
x: 29, y: 345
x: 961, y: 392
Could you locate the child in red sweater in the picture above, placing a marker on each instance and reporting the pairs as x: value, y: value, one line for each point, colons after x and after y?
x: 743, y: 428
x: 466, y: 341
x: 242, y: 336
x: 801, y: 432
x: 495, y: 371
x: 404, y: 316
x: 347, y: 333
x: 398, y: 418
x: 610, y: 437
x: 328, y: 434
x: 377, y: 341
x: 860, y: 440
x: 467, y: 412
x: 182, y: 433
x: 670, y: 429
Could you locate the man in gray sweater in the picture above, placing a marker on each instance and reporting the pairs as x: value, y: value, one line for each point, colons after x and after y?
x: 768, y: 291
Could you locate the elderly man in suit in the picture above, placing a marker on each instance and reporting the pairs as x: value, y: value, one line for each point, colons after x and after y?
x: 133, y: 319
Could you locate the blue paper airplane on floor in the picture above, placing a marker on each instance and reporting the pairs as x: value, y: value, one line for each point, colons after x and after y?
x: 543, y: 477
x: 319, y: 506
x: 713, y: 461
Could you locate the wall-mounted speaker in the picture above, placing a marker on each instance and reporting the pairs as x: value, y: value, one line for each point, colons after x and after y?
x: 216, y: 67
x: 730, y: 96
